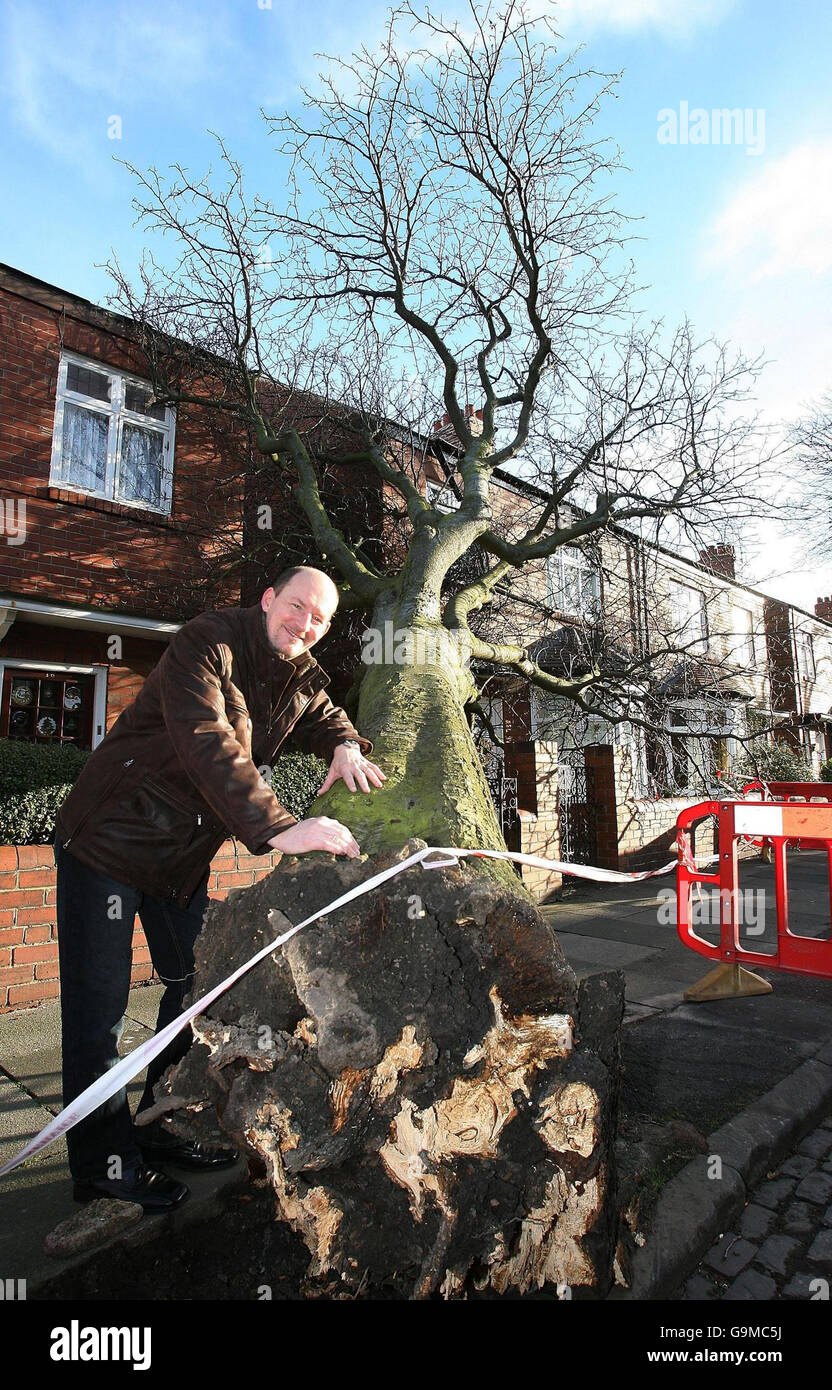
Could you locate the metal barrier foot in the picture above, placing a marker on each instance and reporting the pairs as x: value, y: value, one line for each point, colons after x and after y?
x: 727, y: 981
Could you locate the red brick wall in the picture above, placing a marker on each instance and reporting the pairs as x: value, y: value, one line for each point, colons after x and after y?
x: 600, y: 765
x: 26, y: 642
x: 28, y: 934
x: 86, y: 550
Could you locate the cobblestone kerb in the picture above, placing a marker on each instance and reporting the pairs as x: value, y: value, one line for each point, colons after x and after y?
x: 750, y: 1219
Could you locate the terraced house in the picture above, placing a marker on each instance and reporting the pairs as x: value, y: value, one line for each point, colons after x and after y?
x: 109, y: 543
x: 713, y: 674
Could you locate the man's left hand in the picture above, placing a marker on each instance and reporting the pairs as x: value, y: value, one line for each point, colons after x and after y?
x: 357, y: 771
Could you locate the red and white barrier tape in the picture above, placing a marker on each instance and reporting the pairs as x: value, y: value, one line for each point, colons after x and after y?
x: 554, y: 865
x: 125, y: 1069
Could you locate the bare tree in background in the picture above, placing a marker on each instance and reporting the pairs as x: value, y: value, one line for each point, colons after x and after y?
x: 811, y: 441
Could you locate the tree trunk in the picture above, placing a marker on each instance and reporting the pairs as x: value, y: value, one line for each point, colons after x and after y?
x: 430, y: 1096
x: 436, y: 789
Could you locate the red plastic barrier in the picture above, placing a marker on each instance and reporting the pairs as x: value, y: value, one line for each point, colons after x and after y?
x: 792, y: 791
x: 796, y: 820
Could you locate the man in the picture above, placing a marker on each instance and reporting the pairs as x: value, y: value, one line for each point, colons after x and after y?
x: 176, y: 774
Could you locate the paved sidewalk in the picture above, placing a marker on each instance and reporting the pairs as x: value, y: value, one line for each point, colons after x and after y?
x: 38, y: 1195
x: 781, y: 1245
x: 697, y: 1063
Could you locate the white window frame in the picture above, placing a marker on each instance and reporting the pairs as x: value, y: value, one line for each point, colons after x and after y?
x: 99, y: 699
x: 689, y: 617
x: 704, y: 722
x: 442, y: 497
x: 493, y: 707
x: 806, y: 669
x: 631, y: 737
x: 118, y: 415
x: 745, y: 649
x: 573, y: 557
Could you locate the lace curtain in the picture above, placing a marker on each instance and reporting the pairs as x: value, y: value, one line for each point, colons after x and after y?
x: 140, y: 473
x: 84, y: 450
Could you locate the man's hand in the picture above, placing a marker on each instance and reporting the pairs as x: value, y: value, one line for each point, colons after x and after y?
x: 357, y: 771
x: 319, y: 832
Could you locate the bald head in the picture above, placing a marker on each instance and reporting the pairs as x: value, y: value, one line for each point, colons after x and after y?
x: 299, y: 608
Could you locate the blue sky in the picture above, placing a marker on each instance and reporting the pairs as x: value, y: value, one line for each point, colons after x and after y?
x: 737, y: 236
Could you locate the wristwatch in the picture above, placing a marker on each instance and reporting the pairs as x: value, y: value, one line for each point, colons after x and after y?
x: 350, y: 743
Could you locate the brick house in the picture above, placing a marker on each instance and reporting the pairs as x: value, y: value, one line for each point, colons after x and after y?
x: 740, y: 661
x: 103, y: 554
x: 120, y: 518
x: 101, y: 488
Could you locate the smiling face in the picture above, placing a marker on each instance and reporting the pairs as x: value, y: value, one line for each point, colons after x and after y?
x: 299, y: 615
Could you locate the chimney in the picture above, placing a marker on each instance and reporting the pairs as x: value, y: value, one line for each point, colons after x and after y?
x: 719, y: 559
x: 823, y: 609
x: 445, y: 430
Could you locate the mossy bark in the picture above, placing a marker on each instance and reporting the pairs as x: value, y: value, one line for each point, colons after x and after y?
x: 436, y: 789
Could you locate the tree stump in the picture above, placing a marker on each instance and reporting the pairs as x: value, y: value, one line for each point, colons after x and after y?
x: 430, y: 1095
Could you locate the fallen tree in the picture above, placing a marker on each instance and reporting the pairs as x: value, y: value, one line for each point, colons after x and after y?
x: 407, y: 1071
x: 431, y: 1096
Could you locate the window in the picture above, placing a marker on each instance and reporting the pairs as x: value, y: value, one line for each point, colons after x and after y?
x: 442, y: 497
x: 47, y: 706
x: 111, y: 439
x: 633, y: 739
x: 689, y: 619
x: 694, y: 750
x: 574, y: 583
x: 555, y: 719
x: 806, y: 656
x: 743, y: 645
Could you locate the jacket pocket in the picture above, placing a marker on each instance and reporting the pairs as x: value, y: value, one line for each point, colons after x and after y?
x: 153, y: 834
x: 160, y: 807
x: 240, y: 721
x: 150, y: 823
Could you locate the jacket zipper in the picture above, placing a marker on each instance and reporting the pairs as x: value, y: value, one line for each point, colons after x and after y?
x: 82, y: 822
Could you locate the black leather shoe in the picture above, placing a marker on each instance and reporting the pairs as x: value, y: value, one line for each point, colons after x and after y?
x: 185, y: 1153
x: 153, y: 1191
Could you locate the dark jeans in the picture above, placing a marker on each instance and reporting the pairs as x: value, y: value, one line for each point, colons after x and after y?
x: 95, y: 929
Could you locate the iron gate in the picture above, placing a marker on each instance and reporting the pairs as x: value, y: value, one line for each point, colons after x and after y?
x: 576, y: 813
x: 504, y: 795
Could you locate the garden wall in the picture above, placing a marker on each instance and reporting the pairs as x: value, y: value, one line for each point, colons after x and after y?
x: 28, y: 932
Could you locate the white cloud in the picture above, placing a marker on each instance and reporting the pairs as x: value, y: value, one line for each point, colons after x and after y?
x: 767, y: 255
x: 674, y: 18
x: 780, y: 220
x: 64, y: 70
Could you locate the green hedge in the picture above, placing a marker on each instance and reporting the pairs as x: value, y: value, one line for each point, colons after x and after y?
x: 775, y: 762
x: 35, y: 778
x: 296, y: 778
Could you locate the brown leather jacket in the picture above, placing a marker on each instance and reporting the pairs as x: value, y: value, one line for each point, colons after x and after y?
x: 178, y: 772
